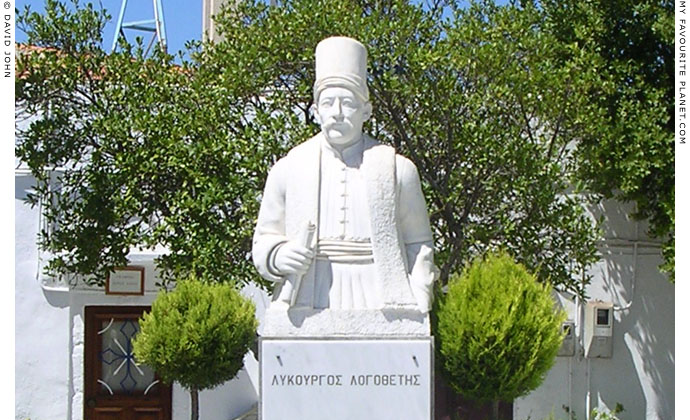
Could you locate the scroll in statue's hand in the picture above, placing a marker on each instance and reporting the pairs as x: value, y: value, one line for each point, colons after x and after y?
x: 293, y: 258
x: 423, y: 295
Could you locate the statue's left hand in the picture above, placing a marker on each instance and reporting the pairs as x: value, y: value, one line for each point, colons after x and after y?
x: 424, y: 296
x: 423, y: 273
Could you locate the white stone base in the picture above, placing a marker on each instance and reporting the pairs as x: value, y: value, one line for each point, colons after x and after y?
x: 304, y: 322
x: 346, y: 379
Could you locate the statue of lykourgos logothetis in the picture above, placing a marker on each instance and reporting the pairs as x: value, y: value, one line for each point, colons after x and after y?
x: 343, y: 223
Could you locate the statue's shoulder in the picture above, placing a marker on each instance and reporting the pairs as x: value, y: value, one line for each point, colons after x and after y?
x: 305, y: 148
x: 372, y: 143
x: 406, y: 170
x: 376, y: 148
x: 295, y: 157
x: 403, y: 165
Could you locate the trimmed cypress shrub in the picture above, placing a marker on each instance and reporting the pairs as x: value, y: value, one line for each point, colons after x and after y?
x: 498, y: 330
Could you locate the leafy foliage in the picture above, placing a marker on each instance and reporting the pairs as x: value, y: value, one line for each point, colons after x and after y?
x: 152, y: 154
x: 197, y: 334
x: 498, y: 330
x: 500, y: 157
x: 487, y: 101
x: 607, y: 415
x: 472, y: 102
x: 595, y: 414
x: 626, y: 146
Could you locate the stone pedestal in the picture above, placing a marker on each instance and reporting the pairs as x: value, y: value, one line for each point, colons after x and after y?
x: 346, y: 378
x: 345, y: 365
x: 303, y: 322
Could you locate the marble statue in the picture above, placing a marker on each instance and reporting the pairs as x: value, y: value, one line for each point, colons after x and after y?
x: 343, y: 224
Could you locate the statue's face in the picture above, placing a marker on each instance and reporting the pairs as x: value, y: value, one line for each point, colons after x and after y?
x: 341, y: 115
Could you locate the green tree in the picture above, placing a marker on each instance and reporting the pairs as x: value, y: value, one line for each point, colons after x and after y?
x: 150, y: 153
x: 196, y: 335
x: 626, y: 146
x: 156, y: 154
x: 498, y: 330
x: 472, y: 101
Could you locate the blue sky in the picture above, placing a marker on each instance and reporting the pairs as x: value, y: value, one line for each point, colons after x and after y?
x: 182, y: 19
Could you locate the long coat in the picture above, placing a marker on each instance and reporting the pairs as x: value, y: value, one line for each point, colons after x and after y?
x: 401, y: 238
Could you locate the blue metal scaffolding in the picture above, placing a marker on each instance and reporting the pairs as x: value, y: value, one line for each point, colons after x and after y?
x: 155, y: 26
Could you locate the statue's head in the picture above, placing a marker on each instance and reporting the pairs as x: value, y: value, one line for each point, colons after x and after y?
x: 341, y: 97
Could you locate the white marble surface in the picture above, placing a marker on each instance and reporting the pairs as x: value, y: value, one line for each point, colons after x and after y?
x: 370, y: 244
x: 346, y: 379
x: 305, y: 322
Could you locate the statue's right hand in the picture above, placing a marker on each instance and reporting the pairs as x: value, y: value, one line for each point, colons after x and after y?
x: 293, y: 258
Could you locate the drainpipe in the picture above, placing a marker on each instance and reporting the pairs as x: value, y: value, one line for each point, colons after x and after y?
x: 580, y: 351
x: 570, y: 386
x: 577, y: 332
x: 588, y: 402
x: 634, y: 272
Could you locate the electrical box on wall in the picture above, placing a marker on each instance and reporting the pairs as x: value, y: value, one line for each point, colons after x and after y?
x: 568, y: 345
x: 598, y: 329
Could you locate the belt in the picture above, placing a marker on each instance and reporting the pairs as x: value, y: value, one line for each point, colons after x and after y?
x: 344, y: 251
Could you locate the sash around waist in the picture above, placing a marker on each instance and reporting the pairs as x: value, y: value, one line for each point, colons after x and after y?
x: 345, y: 251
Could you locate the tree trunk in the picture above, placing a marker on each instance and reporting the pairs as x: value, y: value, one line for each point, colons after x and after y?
x: 194, y: 393
x: 494, y: 410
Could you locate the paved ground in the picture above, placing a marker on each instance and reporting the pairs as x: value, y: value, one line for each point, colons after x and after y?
x: 252, y: 414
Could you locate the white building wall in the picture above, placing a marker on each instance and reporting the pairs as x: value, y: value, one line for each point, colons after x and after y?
x: 640, y: 375
x: 42, y: 338
x: 209, y: 9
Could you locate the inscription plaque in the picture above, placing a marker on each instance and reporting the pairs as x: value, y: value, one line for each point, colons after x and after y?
x: 125, y: 281
x: 345, y: 379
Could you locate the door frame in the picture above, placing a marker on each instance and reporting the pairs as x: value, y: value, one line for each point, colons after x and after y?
x: 92, y: 367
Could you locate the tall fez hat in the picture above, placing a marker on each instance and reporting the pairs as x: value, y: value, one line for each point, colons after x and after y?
x: 341, y: 62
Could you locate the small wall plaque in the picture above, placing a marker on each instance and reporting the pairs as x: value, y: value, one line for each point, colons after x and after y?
x: 125, y: 281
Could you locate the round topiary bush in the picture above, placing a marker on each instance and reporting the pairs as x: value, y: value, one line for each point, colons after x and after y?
x: 498, y: 330
x: 196, y: 335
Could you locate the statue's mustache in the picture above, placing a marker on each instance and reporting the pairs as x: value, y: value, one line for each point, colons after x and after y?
x: 331, y: 123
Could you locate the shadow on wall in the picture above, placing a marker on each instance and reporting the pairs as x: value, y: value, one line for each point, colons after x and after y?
x: 23, y: 185
x: 648, y: 337
x: 57, y: 299
x: 643, y: 358
x: 230, y: 400
x: 617, y: 222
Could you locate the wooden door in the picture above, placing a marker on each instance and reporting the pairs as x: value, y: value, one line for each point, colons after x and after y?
x: 115, y: 386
